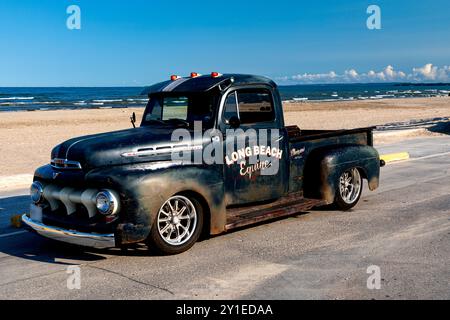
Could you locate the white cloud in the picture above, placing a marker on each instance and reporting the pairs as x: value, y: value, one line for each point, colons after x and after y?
x: 432, y: 73
x: 352, y: 73
x: 428, y: 72
x: 315, y: 77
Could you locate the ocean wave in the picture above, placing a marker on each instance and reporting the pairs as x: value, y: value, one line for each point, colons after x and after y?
x: 107, y: 100
x: 137, y: 100
x: 17, y: 98
x: 12, y: 104
x: 47, y: 102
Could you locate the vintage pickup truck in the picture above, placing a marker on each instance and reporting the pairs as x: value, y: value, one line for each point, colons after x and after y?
x: 125, y: 187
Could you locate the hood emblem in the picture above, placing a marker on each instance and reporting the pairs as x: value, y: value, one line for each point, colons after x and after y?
x: 55, y: 175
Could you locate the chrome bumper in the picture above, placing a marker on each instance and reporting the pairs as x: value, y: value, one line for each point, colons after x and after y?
x: 94, y: 240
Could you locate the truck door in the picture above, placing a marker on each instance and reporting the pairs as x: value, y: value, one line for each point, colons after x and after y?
x: 256, y: 160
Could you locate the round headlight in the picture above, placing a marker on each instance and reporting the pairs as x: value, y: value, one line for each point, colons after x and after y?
x: 107, y: 202
x: 36, y: 191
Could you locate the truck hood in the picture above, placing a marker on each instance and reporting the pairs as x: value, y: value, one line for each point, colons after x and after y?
x: 143, y: 144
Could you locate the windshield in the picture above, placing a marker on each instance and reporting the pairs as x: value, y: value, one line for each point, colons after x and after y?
x: 182, y: 109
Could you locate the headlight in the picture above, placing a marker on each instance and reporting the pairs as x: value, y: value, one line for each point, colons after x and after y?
x: 107, y: 202
x: 36, y: 191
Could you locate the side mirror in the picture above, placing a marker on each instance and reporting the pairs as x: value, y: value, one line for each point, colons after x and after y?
x: 234, y: 122
x: 133, y: 119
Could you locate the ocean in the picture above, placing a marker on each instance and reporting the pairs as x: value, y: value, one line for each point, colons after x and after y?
x: 30, y: 99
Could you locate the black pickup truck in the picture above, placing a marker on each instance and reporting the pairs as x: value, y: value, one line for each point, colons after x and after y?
x: 148, y: 185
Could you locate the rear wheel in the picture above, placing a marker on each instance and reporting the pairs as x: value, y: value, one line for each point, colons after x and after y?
x: 177, y: 226
x: 348, y: 189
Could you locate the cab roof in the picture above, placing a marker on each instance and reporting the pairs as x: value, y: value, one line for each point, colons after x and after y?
x: 206, y: 83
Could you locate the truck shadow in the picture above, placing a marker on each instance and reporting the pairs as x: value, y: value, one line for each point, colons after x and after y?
x: 13, y: 205
x: 33, y: 247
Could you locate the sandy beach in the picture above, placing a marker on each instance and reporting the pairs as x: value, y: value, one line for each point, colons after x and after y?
x: 26, y: 138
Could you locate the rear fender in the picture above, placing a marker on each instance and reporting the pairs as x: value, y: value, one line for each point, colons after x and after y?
x: 324, y: 166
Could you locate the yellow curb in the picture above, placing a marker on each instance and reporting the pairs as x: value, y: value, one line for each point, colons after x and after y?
x: 395, y: 157
x: 16, y: 220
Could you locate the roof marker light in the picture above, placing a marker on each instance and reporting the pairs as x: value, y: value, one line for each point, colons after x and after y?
x: 215, y: 74
x: 195, y: 74
x: 174, y: 77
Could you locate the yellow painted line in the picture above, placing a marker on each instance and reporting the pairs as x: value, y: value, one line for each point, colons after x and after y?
x: 400, y: 156
x: 16, y: 220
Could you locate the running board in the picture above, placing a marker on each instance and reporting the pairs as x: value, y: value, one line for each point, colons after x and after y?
x: 244, y: 216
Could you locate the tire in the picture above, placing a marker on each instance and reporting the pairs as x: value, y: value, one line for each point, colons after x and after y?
x: 348, y: 189
x: 177, y: 226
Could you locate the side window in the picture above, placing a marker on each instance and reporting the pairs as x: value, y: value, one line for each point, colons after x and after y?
x: 255, y: 106
x: 230, y: 107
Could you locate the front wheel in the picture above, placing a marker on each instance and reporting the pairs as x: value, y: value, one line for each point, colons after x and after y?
x: 177, y: 226
x: 348, y: 189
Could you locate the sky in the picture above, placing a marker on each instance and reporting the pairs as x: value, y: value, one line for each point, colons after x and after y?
x: 139, y: 42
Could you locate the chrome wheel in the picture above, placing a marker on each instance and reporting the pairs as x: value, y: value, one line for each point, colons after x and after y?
x: 177, y: 220
x: 350, y: 185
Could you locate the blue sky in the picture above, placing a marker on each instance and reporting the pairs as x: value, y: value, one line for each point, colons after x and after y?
x: 138, y: 42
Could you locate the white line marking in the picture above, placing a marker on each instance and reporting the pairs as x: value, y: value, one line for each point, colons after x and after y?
x: 12, y: 234
x: 424, y: 157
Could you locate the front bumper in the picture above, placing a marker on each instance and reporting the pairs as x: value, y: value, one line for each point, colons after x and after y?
x: 94, y: 240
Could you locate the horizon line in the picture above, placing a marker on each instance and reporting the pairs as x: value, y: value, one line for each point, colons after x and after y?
x: 280, y: 85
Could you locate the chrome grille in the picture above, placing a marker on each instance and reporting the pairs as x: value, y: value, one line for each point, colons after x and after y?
x: 69, y: 198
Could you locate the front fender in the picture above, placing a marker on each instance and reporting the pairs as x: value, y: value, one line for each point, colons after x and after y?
x: 324, y: 166
x: 143, y: 190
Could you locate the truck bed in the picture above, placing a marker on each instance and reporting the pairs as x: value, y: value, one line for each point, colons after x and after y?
x: 297, y: 135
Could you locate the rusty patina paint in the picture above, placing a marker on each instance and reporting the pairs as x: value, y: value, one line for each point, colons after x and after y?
x: 144, y: 191
x: 374, y: 183
x: 116, y: 160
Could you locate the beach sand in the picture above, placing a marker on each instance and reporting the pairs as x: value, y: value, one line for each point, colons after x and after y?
x: 26, y: 138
